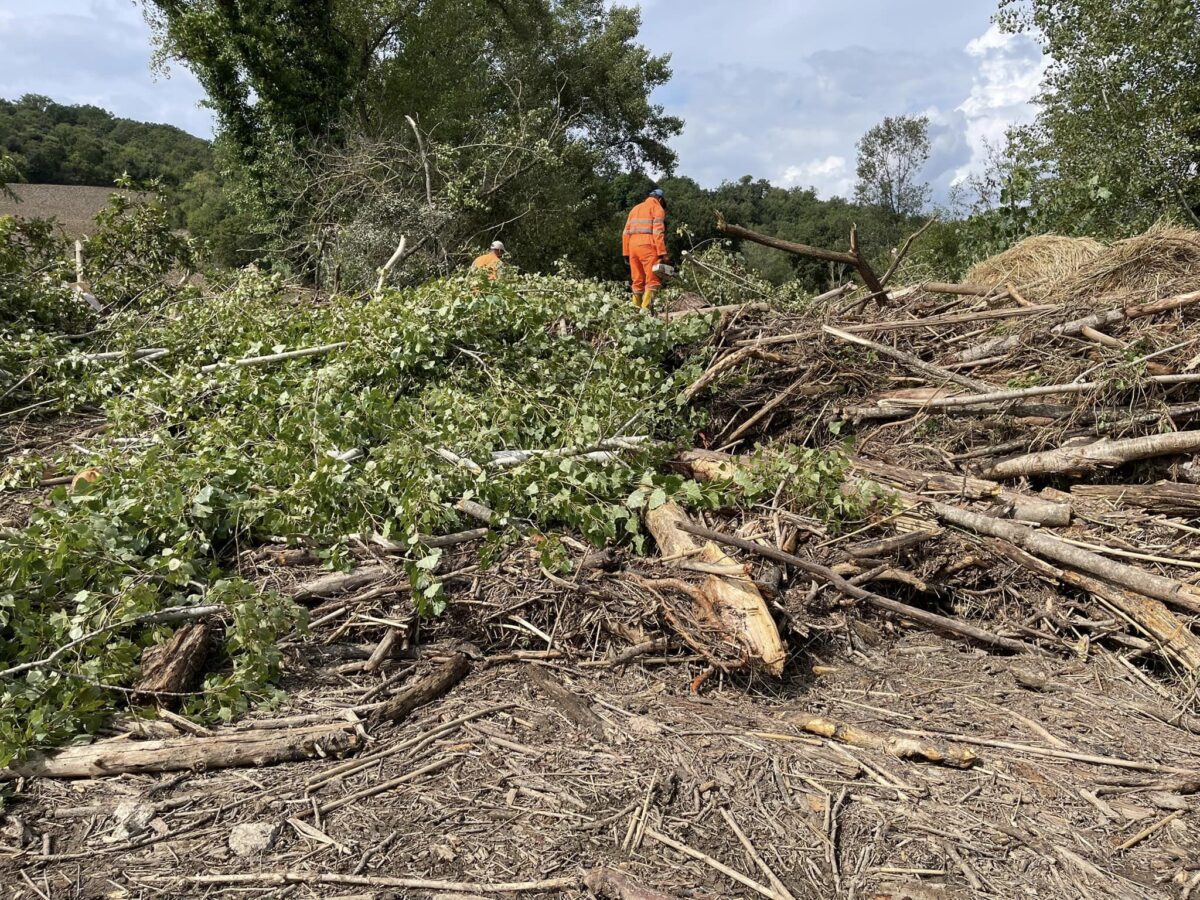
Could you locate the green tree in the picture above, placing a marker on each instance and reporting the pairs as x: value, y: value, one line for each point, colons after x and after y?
x: 890, y: 158
x: 1117, y: 142
x: 286, y: 75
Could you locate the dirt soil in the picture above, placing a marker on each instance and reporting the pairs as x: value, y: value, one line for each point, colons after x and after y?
x: 533, y: 789
x: 73, y: 206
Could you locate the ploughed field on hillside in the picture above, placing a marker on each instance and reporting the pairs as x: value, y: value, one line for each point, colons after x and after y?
x: 74, y: 207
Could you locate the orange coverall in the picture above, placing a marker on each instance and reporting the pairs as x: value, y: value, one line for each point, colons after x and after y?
x: 644, y: 242
x: 488, y: 260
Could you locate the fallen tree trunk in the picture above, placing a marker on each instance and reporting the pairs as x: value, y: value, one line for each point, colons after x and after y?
x: 730, y: 606
x: 221, y: 751
x: 1169, y: 497
x: 1103, y: 453
x: 901, y: 748
x: 424, y: 690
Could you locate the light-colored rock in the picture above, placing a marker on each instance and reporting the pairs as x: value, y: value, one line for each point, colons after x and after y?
x: 252, y: 838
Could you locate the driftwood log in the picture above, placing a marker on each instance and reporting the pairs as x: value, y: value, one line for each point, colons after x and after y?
x: 232, y: 750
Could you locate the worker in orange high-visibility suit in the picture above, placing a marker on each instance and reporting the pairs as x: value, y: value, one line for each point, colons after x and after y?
x: 644, y: 244
x: 490, y: 261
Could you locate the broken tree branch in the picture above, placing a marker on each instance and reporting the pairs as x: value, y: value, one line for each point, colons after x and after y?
x: 853, y: 259
x: 1100, y: 454
x: 220, y: 751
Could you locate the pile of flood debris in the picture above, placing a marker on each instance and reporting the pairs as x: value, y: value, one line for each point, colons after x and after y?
x: 985, y: 687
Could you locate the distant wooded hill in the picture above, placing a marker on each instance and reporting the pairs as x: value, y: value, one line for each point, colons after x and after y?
x: 56, y: 144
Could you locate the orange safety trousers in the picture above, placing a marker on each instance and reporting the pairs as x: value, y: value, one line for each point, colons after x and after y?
x: 642, y: 260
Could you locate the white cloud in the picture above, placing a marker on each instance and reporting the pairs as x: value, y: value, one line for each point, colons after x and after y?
x: 1009, y: 72
x: 832, y: 171
x: 99, y: 53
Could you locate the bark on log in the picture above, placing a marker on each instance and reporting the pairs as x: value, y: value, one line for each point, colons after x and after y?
x: 1169, y: 497
x: 732, y: 606
x: 424, y: 690
x: 174, y: 666
x: 339, y: 582
x: 901, y: 748
x: 997, y: 346
x: 221, y: 751
x: 1113, y: 316
x: 1103, y: 453
x: 1169, y: 591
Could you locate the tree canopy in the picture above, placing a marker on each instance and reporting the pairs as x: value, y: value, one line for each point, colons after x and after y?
x: 1117, y: 141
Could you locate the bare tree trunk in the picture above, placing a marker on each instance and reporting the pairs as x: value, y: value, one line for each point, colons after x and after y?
x: 1098, y: 455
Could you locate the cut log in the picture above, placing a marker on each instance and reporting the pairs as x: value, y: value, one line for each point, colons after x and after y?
x: 901, y: 748
x: 731, y: 606
x: 1169, y: 497
x: 221, y: 751
x: 424, y: 690
x: 174, y: 666
x: 1100, y: 454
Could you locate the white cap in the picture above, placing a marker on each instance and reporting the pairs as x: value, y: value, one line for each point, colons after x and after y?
x: 497, y: 245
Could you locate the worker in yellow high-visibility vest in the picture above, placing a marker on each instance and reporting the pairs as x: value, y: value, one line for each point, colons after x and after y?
x: 644, y: 245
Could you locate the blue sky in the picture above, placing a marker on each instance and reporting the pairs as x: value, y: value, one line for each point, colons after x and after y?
x: 778, y: 89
